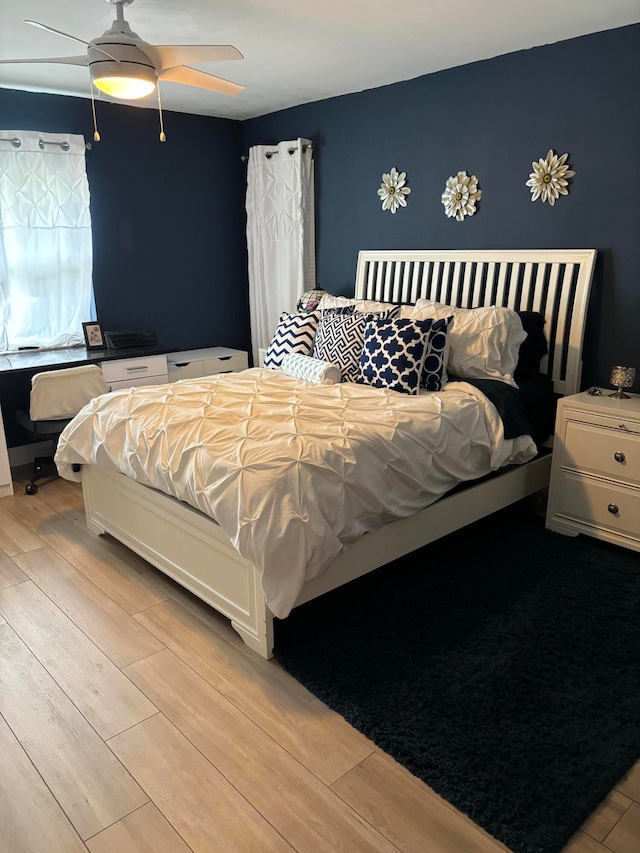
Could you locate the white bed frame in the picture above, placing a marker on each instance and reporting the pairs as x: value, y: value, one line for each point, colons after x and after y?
x: 190, y: 547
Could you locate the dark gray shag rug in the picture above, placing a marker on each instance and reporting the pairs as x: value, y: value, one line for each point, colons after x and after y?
x: 501, y: 665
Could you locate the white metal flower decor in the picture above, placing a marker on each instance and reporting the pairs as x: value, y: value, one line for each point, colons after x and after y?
x: 393, y: 190
x: 549, y: 179
x: 460, y: 196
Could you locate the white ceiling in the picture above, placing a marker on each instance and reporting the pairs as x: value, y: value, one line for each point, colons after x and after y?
x: 298, y: 51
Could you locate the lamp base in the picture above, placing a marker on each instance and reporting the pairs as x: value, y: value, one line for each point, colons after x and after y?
x: 620, y: 395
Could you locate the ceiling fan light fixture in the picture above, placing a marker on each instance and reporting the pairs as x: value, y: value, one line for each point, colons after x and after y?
x: 127, y: 81
x: 126, y: 68
x: 124, y: 88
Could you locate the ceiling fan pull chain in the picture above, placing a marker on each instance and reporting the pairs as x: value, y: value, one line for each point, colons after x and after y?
x: 163, y: 138
x: 96, y: 135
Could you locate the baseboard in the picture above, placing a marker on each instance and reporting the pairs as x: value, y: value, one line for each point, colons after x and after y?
x: 24, y: 454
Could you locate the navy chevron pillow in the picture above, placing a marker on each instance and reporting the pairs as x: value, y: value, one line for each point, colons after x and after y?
x: 295, y: 333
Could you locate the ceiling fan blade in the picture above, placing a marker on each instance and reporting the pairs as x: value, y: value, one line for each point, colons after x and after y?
x: 67, y: 36
x: 57, y: 32
x: 191, y: 77
x: 61, y: 60
x: 170, y: 55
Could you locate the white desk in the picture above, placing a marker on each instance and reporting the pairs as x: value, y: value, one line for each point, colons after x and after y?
x: 30, y: 362
x: 122, y: 369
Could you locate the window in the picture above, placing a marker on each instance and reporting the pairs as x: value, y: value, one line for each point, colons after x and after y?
x: 46, y: 255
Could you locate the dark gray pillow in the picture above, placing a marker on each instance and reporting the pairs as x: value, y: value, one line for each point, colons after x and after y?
x: 534, y: 346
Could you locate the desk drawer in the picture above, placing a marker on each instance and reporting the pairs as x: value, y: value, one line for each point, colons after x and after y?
x: 186, y: 370
x: 137, y: 383
x: 132, y: 369
x: 224, y: 364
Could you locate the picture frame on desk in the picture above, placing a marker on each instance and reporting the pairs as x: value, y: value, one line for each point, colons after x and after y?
x: 93, y: 337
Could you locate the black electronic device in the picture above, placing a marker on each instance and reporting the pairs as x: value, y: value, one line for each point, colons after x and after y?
x: 130, y: 338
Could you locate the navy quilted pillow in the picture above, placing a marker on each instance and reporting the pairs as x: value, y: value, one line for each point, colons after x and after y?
x: 295, y: 334
x: 394, y: 353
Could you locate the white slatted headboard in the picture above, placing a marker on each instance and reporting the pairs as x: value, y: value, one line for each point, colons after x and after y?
x: 554, y: 282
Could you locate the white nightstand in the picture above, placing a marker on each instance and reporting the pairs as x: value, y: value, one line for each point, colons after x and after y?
x: 595, y: 473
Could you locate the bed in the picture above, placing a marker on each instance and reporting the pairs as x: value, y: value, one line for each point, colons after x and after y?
x: 187, y: 544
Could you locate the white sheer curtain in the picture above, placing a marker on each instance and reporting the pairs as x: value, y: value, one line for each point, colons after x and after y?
x: 46, y: 254
x: 280, y: 233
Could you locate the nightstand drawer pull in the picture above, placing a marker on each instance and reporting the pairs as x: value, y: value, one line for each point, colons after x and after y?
x: 619, y: 456
x: 613, y: 509
x: 624, y: 427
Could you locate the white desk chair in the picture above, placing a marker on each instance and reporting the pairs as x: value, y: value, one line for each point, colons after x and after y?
x: 56, y: 397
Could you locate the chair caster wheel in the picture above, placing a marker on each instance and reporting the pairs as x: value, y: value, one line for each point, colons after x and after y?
x: 31, y: 488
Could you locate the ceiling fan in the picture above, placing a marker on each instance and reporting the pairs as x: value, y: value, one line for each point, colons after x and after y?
x: 124, y: 66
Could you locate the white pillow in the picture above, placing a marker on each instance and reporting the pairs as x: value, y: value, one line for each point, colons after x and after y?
x: 363, y: 306
x: 310, y: 369
x: 483, y: 342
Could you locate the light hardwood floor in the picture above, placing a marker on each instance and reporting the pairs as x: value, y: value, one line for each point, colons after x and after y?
x: 134, y: 719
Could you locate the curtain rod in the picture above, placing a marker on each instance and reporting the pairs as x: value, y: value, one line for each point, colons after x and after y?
x: 269, y: 154
x: 64, y: 146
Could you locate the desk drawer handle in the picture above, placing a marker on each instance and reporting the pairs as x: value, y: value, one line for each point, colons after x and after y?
x: 624, y: 427
x: 613, y: 509
x: 619, y: 456
x: 136, y: 369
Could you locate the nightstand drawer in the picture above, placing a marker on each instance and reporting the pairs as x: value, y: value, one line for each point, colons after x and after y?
x: 618, y: 421
x: 605, y: 452
x: 599, y: 504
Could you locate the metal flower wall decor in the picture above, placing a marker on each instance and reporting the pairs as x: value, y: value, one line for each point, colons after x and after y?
x: 549, y: 179
x: 460, y: 196
x: 393, y: 190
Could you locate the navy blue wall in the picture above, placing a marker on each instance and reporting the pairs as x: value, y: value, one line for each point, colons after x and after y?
x: 169, y: 241
x: 491, y: 119
x: 168, y: 219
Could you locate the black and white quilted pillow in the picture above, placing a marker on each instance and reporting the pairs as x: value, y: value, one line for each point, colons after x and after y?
x: 295, y: 333
x: 340, y: 339
x: 394, y: 353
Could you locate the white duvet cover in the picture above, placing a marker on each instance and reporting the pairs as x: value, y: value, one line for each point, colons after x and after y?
x: 292, y: 472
